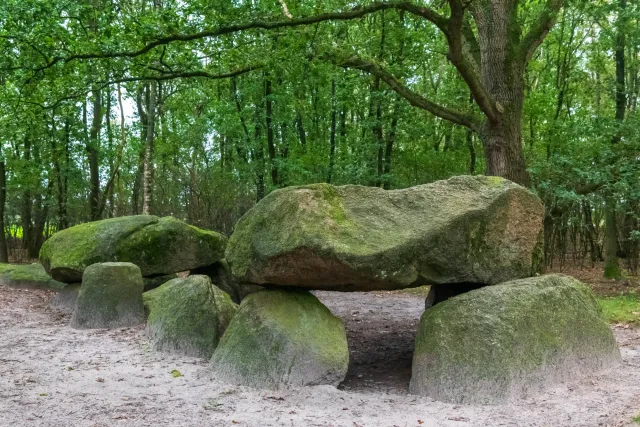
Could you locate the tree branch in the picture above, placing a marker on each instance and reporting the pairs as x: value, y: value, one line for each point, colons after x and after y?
x: 457, y: 117
x: 462, y: 63
x: 163, y: 77
x: 354, y: 13
x: 541, y: 28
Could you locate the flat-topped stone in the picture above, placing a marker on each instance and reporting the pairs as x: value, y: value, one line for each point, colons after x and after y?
x: 468, y: 229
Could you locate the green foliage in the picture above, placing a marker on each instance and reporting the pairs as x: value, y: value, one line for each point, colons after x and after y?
x: 216, y: 151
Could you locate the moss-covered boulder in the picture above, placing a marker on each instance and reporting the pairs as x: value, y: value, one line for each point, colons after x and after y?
x: 157, y: 245
x: 188, y: 316
x: 220, y: 274
x: 504, y: 341
x: 468, y: 229
x: 280, y: 339
x: 110, y: 297
x: 31, y: 276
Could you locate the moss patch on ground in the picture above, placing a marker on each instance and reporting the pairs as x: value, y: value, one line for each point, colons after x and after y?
x: 27, y: 276
x: 621, y: 309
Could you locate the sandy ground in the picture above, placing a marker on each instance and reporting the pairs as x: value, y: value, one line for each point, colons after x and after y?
x: 52, y: 375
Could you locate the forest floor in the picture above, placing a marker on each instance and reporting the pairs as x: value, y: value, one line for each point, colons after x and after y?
x: 52, y: 375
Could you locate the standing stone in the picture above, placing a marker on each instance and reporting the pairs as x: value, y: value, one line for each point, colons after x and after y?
x: 280, y: 339
x: 508, y: 340
x: 110, y: 297
x: 188, y: 316
x: 468, y: 229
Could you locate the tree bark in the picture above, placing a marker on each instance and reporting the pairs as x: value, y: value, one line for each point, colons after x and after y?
x: 93, y: 148
x: 332, y: 135
x: 147, y: 185
x: 271, y: 145
x: 4, y: 250
x: 611, y: 266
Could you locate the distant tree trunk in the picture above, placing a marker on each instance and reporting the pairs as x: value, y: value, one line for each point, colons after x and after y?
x: 332, y: 135
x: 271, y: 145
x: 4, y: 250
x: 57, y: 154
x: 137, y: 183
x: 611, y: 266
x: 147, y: 186
x: 301, y: 132
x: 93, y: 150
x: 27, y: 202
x: 258, y: 156
x: 472, y: 149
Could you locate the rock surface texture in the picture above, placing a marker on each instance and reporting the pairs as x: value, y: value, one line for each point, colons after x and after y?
x: 468, y: 229
x: 157, y: 245
x: 188, y: 316
x: 504, y: 341
x: 110, y: 297
x: 281, y: 339
x: 31, y: 276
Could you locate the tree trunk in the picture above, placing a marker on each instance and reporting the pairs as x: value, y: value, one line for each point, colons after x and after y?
x: 271, y: 145
x: 332, y: 136
x: 4, y: 250
x: 147, y: 185
x: 93, y: 147
x: 611, y: 266
x: 502, y: 69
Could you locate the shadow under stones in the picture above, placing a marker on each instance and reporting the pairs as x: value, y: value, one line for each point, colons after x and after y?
x: 381, y: 329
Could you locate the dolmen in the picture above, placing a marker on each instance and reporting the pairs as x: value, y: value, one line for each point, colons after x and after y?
x: 493, y: 329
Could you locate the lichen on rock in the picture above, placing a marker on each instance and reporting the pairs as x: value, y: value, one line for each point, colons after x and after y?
x: 110, y: 296
x: 157, y: 245
x: 504, y: 341
x: 468, y: 229
x: 188, y: 316
x: 281, y: 339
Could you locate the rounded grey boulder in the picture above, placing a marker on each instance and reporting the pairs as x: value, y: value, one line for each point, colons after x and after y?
x: 281, y: 339
x: 505, y: 341
x: 188, y: 315
x: 110, y: 297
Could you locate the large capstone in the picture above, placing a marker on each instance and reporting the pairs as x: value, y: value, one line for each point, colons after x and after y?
x: 468, y: 229
x: 188, y: 316
x: 157, y: 245
x: 505, y: 341
x: 30, y: 276
x: 110, y: 297
x: 280, y: 339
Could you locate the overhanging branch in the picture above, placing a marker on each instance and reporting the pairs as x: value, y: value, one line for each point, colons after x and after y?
x: 540, y: 29
x: 415, y: 99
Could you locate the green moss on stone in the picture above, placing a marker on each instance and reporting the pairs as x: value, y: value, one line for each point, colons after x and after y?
x: 282, y: 339
x: 499, y: 341
x: 27, y: 276
x: 188, y: 315
x: 110, y: 296
x: 363, y: 238
x: 156, y: 245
